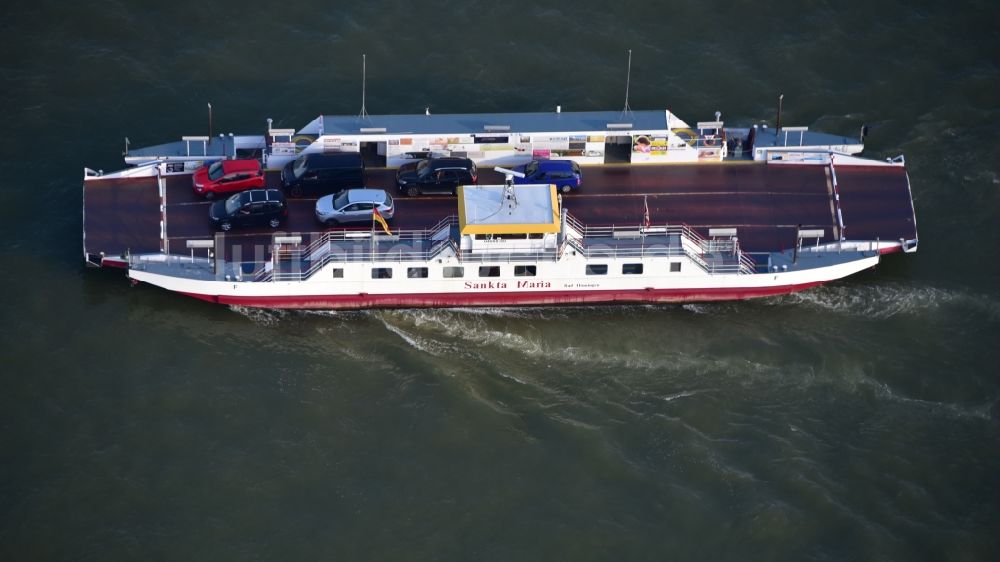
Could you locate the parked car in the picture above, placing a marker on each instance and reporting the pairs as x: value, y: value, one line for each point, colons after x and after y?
x: 256, y: 207
x: 320, y: 174
x: 565, y: 174
x: 354, y: 205
x: 227, y: 176
x: 436, y: 175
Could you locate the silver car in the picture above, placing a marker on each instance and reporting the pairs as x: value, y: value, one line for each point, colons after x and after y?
x: 354, y: 205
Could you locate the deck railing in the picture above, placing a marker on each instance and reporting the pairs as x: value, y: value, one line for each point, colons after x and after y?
x: 296, y: 264
x: 714, y: 255
x: 293, y: 263
x: 299, y: 267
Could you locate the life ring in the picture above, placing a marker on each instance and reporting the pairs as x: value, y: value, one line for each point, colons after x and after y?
x: 710, y: 142
x: 303, y: 141
x: 686, y: 135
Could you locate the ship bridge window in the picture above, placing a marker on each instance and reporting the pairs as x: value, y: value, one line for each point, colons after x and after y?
x: 524, y: 271
x: 631, y: 269
x: 451, y: 272
x: 416, y: 273
x: 381, y: 273
x: 489, y: 271
x: 519, y: 236
x: 597, y: 269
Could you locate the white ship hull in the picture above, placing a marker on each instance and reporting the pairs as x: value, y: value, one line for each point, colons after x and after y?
x: 559, y: 282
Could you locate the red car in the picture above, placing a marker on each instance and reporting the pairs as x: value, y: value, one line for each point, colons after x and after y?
x: 227, y: 176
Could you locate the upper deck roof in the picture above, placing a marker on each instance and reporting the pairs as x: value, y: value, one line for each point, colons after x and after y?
x: 492, y: 123
x: 485, y: 209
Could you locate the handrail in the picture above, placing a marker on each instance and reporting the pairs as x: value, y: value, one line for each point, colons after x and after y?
x: 690, y: 241
x: 363, y: 256
x: 715, y: 255
x: 326, y: 238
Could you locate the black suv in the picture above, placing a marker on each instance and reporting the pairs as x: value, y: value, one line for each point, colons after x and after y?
x: 320, y: 174
x: 257, y: 207
x: 436, y: 175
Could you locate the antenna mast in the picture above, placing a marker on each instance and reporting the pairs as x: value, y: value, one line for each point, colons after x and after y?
x: 628, y: 78
x: 364, y: 78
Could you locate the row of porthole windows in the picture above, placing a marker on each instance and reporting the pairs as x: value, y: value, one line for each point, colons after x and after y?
x: 455, y: 272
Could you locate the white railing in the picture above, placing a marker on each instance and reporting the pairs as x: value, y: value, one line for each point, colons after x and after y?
x: 712, y: 255
x: 329, y: 247
x: 603, y: 242
x: 398, y: 255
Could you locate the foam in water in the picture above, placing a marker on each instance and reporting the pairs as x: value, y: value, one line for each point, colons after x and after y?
x: 260, y: 316
x: 888, y: 300
x: 949, y: 410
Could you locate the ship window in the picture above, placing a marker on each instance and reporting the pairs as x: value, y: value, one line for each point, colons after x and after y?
x: 489, y: 271
x: 416, y: 273
x: 597, y: 269
x: 535, y: 236
x: 524, y: 271
x: 338, y: 273
x: 675, y: 266
x: 451, y: 272
x: 381, y: 273
x: 631, y: 268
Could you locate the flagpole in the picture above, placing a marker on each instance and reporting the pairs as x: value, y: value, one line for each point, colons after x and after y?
x: 645, y: 216
x: 373, y: 235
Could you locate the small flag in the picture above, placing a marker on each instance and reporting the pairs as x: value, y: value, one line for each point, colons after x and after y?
x: 377, y: 217
x: 645, y: 215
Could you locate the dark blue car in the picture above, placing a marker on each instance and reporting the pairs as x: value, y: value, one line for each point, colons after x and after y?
x: 565, y: 174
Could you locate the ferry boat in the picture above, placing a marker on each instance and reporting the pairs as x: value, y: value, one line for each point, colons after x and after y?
x: 713, y: 214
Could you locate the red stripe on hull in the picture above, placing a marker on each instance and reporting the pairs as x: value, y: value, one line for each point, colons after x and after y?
x: 536, y: 298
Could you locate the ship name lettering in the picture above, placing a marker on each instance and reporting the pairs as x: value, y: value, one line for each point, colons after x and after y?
x: 534, y: 285
x: 485, y: 285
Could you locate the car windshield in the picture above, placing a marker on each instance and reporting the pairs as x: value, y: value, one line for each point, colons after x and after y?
x: 388, y: 200
x: 531, y: 168
x: 234, y: 203
x: 422, y: 165
x: 215, y: 171
x: 299, y: 167
x: 340, y: 201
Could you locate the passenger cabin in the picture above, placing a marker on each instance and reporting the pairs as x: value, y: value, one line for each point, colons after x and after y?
x: 509, y: 219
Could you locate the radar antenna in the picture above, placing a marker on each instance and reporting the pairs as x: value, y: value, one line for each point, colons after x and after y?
x: 509, y: 195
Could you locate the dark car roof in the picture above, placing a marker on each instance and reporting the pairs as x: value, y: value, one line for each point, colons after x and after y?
x: 449, y: 162
x: 255, y: 195
x: 335, y: 159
